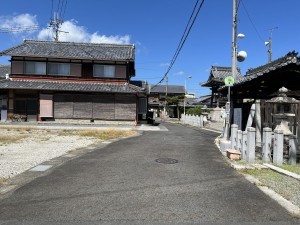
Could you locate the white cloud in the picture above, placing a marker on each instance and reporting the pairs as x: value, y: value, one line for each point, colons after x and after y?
x: 95, y: 38
x: 71, y: 31
x: 180, y: 73
x: 22, y: 22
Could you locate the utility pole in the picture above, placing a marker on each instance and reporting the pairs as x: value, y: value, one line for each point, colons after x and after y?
x: 269, y: 44
x: 234, y: 36
x: 233, y: 67
x: 165, y: 109
x: 56, y: 24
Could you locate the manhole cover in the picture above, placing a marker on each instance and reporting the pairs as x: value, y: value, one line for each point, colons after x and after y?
x: 166, y: 160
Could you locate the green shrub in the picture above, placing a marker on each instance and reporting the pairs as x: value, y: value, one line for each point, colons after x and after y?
x: 197, y: 111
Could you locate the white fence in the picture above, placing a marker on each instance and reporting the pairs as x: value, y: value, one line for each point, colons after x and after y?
x: 197, y: 121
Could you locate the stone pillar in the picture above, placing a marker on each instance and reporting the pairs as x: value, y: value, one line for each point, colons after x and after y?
x: 258, y: 123
x: 266, y: 146
x: 244, y: 145
x: 278, y: 147
x: 293, y: 144
x: 201, y: 121
x: 239, y: 140
x: 234, y: 129
x: 250, y: 153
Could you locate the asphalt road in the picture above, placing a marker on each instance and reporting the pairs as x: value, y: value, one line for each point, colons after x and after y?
x: 123, y: 183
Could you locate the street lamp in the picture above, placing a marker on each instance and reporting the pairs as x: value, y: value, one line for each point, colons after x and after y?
x: 189, y: 77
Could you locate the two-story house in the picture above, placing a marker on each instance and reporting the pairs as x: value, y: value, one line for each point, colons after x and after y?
x: 65, y: 80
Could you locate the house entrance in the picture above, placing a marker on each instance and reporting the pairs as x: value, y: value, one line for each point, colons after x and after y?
x: 27, y: 106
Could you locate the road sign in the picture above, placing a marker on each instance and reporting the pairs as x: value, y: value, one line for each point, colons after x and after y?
x: 229, y: 81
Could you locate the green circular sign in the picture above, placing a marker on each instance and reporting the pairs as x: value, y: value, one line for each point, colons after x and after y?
x: 229, y: 81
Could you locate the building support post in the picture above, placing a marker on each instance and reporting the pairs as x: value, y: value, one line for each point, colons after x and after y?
x: 258, y: 123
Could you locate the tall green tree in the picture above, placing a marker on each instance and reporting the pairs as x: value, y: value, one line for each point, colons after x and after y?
x: 174, y: 101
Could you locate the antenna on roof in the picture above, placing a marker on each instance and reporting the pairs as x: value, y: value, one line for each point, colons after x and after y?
x: 56, y: 24
x: 19, y: 29
x: 269, y: 43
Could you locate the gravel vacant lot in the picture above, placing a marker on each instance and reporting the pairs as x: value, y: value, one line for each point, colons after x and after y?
x: 287, y: 187
x: 23, y: 148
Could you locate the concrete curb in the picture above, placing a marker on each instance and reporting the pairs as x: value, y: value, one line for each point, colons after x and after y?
x: 290, y: 207
x: 282, y: 171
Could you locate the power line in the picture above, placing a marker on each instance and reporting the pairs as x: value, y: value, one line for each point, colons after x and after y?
x: 252, y: 23
x: 65, y: 7
x: 57, y: 21
x: 186, y: 32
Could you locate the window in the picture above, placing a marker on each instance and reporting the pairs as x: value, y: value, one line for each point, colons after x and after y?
x: 104, y: 71
x: 62, y: 69
x: 35, y: 68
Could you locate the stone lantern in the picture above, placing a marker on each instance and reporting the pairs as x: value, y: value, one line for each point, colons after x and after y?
x: 284, y: 115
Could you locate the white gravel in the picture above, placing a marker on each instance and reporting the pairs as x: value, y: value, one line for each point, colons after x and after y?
x: 37, y: 147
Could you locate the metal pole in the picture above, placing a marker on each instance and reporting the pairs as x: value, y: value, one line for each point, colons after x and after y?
x: 184, y: 97
x: 165, y: 108
x: 270, y: 50
x: 234, y: 35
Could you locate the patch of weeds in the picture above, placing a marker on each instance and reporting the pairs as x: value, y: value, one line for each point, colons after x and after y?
x: 67, y: 132
x: 106, y: 134
x: 3, y: 181
x: 8, y: 139
x: 44, y: 138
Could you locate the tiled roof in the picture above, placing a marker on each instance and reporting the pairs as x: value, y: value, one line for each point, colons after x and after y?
x: 174, y: 89
x: 218, y: 74
x: 72, y: 50
x: 290, y: 58
x: 4, y: 69
x: 69, y: 86
x: 139, y: 83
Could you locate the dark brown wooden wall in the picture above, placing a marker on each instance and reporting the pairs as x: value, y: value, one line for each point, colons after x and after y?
x: 86, y: 106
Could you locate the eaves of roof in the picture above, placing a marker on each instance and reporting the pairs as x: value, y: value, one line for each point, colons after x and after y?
x: 290, y: 58
x: 218, y: 75
x: 171, y: 89
x: 70, y: 86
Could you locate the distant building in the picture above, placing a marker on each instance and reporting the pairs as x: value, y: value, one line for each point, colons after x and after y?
x: 215, y: 81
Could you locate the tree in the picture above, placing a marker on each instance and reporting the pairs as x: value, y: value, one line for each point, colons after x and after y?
x: 196, y: 111
x: 174, y: 101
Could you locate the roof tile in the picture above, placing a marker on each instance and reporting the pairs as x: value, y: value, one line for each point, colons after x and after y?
x: 73, y: 50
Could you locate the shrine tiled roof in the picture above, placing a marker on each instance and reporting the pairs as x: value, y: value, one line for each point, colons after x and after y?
x: 251, y: 74
x: 218, y: 74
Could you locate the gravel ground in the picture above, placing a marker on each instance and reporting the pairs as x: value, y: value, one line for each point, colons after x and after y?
x: 33, y: 147
x: 287, y: 187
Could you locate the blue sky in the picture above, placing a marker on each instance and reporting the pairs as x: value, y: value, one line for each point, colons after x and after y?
x: 156, y: 26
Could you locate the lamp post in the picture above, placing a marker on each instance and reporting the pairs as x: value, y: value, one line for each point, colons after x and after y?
x: 189, y: 77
